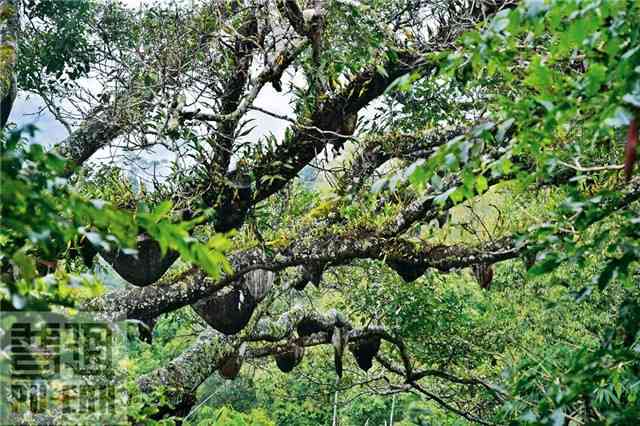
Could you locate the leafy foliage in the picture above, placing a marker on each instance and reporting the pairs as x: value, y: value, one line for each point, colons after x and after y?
x: 43, y: 218
x: 534, y: 109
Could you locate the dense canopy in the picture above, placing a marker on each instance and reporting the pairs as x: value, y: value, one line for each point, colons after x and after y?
x: 335, y: 211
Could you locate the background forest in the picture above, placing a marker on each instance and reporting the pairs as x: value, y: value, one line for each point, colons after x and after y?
x: 441, y: 229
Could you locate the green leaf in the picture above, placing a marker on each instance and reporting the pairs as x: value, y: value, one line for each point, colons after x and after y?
x: 539, y: 76
x: 595, y: 77
x: 481, y: 184
x: 419, y: 175
x: 26, y: 264
x: 545, y: 265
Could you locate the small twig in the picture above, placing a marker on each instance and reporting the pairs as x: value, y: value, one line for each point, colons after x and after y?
x: 300, y: 126
x: 579, y: 168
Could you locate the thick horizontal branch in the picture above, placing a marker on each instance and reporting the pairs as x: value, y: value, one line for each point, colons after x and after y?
x: 95, y: 132
x: 151, y: 301
x: 405, y: 257
x: 274, y: 169
x: 182, y: 376
x: 186, y: 372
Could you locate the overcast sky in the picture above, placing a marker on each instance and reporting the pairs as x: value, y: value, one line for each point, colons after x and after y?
x: 30, y: 109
